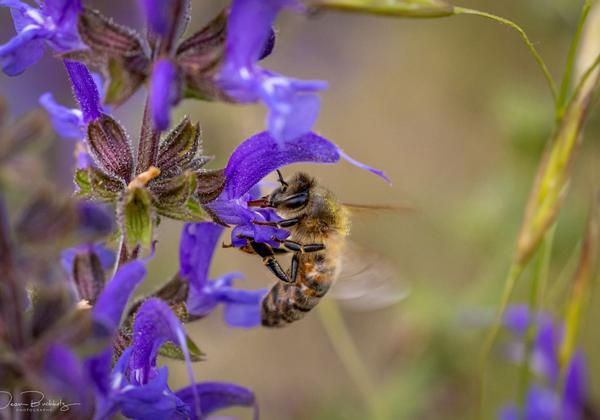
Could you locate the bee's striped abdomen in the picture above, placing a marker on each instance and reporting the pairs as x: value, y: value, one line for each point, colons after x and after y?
x: 288, y: 302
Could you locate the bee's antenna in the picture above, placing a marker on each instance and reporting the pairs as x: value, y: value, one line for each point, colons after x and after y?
x: 281, y: 180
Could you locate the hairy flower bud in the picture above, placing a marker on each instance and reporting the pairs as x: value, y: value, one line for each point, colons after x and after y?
x: 110, y: 147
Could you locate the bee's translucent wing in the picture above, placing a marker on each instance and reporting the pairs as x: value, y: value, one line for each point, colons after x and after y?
x: 367, y: 280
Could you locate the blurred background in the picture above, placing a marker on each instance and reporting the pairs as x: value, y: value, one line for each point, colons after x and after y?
x: 456, y: 113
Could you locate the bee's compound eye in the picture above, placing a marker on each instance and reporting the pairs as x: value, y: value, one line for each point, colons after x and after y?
x: 294, y: 201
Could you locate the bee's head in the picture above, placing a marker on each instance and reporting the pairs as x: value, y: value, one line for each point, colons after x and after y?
x: 292, y: 196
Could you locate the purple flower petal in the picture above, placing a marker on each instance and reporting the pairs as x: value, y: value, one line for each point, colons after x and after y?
x: 262, y: 154
x: 215, y: 396
x: 67, y: 122
x: 196, y: 250
x: 155, y: 323
x: 63, y: 371
x: 94, y: 219
x: 164, y: 92
x: 160, y: 14
x: 576, y: 388
x: 293, y: 107
x: 153, y: 400
x: 22, y: 51
x: 111, y: 302
x: 85, y: 90
x: 63, y: 15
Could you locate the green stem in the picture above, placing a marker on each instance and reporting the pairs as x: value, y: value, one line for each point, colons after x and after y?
x: 534, y: 52
x: 536, y: 298
x: 509, y: 285
x: 584, y: 78
x: 344, y: 346
x: 566, y: 81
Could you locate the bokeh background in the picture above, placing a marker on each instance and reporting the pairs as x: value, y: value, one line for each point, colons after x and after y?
x: 457, y: 114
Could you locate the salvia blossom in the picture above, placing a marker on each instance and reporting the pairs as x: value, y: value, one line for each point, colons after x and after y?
x: 54, y: 24
x: 545, y: 399
x: 293, y: 105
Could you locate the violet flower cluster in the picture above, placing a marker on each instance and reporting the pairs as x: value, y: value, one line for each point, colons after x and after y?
x: 547, y: 398
x: 99, y: 350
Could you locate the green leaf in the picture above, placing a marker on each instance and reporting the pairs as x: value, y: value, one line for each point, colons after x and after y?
x: 137, y: 217
x: 172, y: 351
x: 401, y: 8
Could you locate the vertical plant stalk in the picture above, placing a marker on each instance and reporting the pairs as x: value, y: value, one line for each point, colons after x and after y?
x: 568, y: 75
x: 586, y: 268
x: 534, y: 52
x: 344, y: 346
x: 149, y: 141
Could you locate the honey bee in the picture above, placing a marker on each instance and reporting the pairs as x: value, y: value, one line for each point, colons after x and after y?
x: 319, y: 224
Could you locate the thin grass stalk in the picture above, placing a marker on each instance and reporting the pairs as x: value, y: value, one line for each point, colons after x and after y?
x: 341, y: 340
x: 534, y: 52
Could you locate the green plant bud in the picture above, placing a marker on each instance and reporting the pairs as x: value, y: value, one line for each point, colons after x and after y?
x: 136, y: 215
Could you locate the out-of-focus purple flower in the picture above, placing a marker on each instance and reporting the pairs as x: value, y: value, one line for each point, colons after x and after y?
x: 256, y: 158
x: 94, y: 218
x: 105, y: 255
x: 69, y: 122
x: 161, y: 15
x: 293, y: 105
x: 54, y: 23
x: 216, y: 396
x: 542, y: 402
x: 197, y: 246
x: 164, y: 92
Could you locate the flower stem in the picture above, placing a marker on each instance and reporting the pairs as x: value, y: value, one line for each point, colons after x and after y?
x: 534, y: 52
x: 566, y: 81
x: 340, y: 338
x: 513, y: 275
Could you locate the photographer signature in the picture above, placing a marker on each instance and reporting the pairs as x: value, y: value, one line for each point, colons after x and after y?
x: 35, y: 401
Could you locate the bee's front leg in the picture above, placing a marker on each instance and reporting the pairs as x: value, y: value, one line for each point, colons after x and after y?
x: 268, y: 255
x: 285, y: 223
x: 298, y: 247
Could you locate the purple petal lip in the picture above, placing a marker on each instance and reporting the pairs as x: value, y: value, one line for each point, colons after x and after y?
x: 163, y: 92
x: 197, y: 246
x: 55, y: 23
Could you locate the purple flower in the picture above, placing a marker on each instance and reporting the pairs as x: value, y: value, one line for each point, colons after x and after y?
x: 293, y: 105
x: 54, y: 23
x: 139, y: 388
x: 542, y: 402
x: 69, y: 122
x: 241, y: 307
x: 256, y: 158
